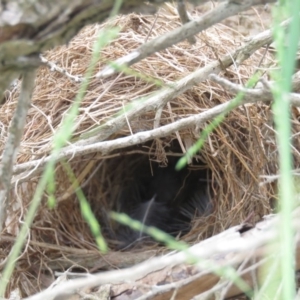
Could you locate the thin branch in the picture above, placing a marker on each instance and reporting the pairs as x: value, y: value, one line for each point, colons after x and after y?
x: 5, y: 81
x: 155, y: 102
x: 230, y: 242
x: 251, y: 96
x: 184, y: 17
x: 160, y: 99
x: 13, y: 141
x: 221, y: 12
x: 261, y: 94
x: 138, y: 138
x: 28, y: 27
x: 54, y: 67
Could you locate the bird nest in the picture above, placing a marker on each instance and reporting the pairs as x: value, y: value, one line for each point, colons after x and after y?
x: 228, y: 168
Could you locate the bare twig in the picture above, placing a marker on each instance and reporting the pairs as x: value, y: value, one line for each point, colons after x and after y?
x: 219, y: 246
x: 27, y: 29
x: 138, y: 138
x: 161, y: 98
x: 213, y: 17
x: 155, y: 102
x: 54, y: 67
x: 181, y: 8
x: 251, y: 96
x: 13, y: 141
x: 5, y: 82
x: 258, y: 93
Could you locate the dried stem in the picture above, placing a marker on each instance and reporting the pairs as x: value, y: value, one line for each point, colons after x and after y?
x: 13, y: 142
x: 169, y: 39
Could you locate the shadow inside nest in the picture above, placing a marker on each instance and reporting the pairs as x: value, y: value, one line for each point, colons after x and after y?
x: 156, y: 196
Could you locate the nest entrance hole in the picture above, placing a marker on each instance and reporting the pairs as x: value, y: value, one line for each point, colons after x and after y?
x: 154, y: 193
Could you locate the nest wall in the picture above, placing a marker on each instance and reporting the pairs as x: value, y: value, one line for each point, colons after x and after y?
x: 236, y: 153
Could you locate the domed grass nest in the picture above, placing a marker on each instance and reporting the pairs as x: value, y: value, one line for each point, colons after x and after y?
x: 225, y: 175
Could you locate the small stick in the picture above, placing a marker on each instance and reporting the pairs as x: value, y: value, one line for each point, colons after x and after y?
x: 184, y: 17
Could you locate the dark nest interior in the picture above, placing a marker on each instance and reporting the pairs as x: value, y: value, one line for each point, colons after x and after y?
x: 221, y: 187
x: 152, y: 192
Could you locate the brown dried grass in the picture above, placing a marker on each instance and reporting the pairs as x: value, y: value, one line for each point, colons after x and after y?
x: 237, y: 153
